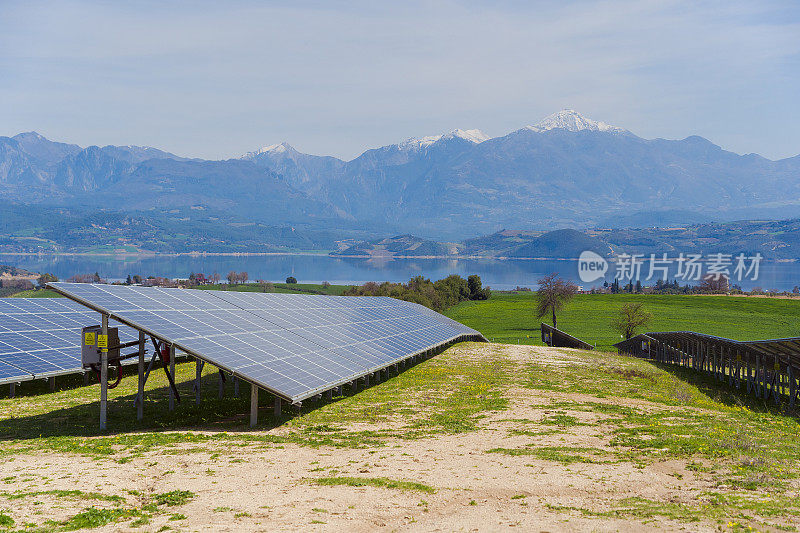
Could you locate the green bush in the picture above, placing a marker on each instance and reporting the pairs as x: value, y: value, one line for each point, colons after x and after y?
x: 438, y: 295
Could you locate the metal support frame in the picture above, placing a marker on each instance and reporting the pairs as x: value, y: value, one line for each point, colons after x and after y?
x: 12, y: 390
x: 51, y: 381
x: 140, y: 393
x: 253, y: 405
x: 276, y: 410
x: 198, y: 380
x: 769, y: 375
x: 221, y: 384
x: 172, y: 390
x: 235, y: 387
x: 104, y: 375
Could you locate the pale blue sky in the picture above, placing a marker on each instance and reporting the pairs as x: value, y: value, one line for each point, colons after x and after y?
x: 217, y: 79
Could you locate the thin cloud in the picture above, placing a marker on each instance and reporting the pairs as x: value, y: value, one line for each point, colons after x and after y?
x: 215, y: 80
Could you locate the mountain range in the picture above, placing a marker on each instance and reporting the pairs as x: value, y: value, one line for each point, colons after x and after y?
x: 564, y: 171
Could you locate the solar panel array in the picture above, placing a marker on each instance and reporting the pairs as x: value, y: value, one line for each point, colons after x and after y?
x: 41, y: 337
x: 295, y: 346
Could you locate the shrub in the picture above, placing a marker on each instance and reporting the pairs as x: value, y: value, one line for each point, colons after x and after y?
x: 437, y: 295
x: 290, y: 280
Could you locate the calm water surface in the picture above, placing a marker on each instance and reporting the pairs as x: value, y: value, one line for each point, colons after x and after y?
x: 500, y: 274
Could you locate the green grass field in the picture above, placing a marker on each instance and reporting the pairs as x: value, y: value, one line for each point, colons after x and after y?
x: 510, y: 317
x: 282, y: 288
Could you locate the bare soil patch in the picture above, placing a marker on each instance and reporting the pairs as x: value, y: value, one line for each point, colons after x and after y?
x: 556, y: 470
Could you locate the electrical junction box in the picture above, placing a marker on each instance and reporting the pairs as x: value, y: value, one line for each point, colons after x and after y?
x: 92, y: 342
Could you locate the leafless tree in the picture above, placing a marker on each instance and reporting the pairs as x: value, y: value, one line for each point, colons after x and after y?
x: 712, y: 284
x: 553, y: 294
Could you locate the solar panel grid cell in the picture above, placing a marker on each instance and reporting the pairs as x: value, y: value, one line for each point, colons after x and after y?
x: 42, y: 336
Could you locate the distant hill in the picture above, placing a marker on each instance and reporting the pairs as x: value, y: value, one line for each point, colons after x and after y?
x: 51, y: 229
x: 776, y: 240
x: 561, y: 244
x: 399, y: 246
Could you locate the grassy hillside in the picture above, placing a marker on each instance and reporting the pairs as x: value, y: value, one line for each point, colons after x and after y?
x: 283, y: 288
x: 36, y: 293
x: 510, y: 317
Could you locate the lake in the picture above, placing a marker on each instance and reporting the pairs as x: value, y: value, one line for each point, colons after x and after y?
x: 500, y: 274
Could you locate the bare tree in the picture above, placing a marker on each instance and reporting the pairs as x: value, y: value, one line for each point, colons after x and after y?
x: 713, y: 284
x: 631, y: 316
x: 553, y: 294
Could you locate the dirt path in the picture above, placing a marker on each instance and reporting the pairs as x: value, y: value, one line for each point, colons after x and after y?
x: 267, y: 487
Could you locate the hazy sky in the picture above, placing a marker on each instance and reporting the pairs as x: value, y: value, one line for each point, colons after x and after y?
x: 217, y: 79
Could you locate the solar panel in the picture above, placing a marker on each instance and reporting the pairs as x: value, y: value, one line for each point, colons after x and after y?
x: 40, y: 337
x: 292, y: 345
x: 12, y: 374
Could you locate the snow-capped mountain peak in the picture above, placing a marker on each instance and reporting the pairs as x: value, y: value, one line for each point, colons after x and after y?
x: 271, y: 149
x: 474, y: 136
x: 417, y: 143
x: 571, y: 120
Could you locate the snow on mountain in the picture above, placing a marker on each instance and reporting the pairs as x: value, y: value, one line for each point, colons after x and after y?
x: 475, y: 136
x: 414, y: 143
x: 571, y: 120
x: 271, y: 149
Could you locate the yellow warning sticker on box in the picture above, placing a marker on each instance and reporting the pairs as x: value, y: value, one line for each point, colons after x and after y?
x: 88, y: 338
x: 102, y: 341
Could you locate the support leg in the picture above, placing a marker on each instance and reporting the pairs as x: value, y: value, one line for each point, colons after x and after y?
x: 52, y: 382
x: 172, y: 373
x: 198, y: 380
x: 221, y: 385
x: 235, y: 387
x: 329, y: 394
x: 757, y: 379
x: 253, y: 405
x: 140, y: 397
x: 104, y: 375
x: 12, y: 390
x: 276, y: 410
